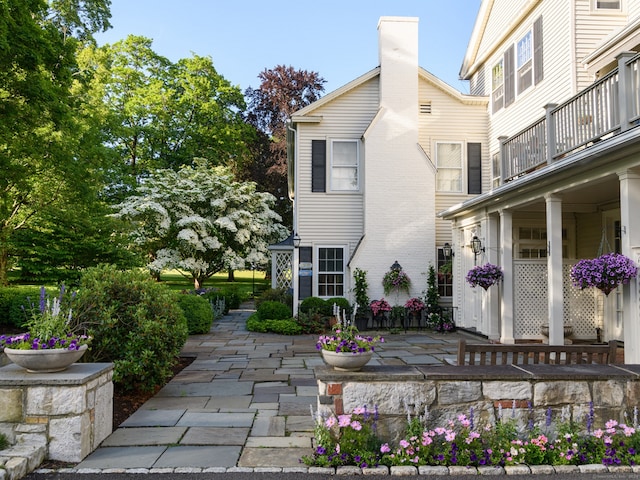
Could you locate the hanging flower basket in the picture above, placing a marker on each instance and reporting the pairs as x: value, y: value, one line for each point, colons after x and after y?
x: 484, y: 275
x: 605, y: 272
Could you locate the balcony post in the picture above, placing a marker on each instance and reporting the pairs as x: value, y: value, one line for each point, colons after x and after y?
x: 504, y: 160
x: 550, y: 124
x: 624, y: 89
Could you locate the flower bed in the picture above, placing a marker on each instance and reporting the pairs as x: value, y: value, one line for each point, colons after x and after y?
x: 350, y: 439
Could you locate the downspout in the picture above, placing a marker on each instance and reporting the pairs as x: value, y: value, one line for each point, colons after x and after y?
x: 292, y: 171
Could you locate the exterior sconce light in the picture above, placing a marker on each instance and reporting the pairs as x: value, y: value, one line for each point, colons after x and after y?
x: 476, y: 246
x: 296, y: 240
x: 396, y: 266
x: 447, y: 251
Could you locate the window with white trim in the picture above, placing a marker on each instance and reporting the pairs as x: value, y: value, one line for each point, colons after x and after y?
x: 524, y: 62
x: 497, y: 86
x: 449, y: 167
x: 331, y: 271
x: 496, y: 176
x: 345, y: 165
x: 607, y: 4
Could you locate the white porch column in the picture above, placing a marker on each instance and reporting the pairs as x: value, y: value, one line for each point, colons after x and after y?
x: 554, y: 269
x: 492, y: 240
x: 295, y: 279
x: 630, y: 223
x: 506, y: 262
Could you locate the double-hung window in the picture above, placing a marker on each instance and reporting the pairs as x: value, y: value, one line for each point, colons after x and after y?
x: 331, y: 271
x: 345, y: 165
x: 497, y: 86
x: 524, y: 62
x: 607, y: 4
x: 449, y: 165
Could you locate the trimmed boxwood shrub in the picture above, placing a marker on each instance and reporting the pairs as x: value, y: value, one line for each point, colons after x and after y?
x: 316, y: 304
x: 136, y: 323
x: 281, y: 295
x: 197, y: 311
x: 271, y: 310
x: 341, y: 302
x: 282, y: 327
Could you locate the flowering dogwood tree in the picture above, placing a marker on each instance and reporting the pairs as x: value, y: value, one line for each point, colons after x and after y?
x: 199, y: 220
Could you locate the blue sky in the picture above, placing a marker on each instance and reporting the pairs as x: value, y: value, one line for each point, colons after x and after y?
x: 336, y: 38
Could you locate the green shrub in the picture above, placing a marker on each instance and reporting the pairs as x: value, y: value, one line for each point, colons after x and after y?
x: 282, y: 327
x: 273, y: 311
x: 136, y: 323
x: 232, y: 297
x: 12, y: 301
x: 281, y: 295
x: 316, y: 304
x: 341, y: 302
x: 4, y: 441
x: 312, y: 322
x: 198, y: 312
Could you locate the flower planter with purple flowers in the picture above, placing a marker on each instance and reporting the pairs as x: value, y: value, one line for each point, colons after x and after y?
x: 605, y: 272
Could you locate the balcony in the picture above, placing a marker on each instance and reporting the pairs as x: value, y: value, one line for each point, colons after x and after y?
x: 608, y: 107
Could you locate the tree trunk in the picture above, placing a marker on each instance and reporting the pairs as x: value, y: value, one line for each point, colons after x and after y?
x: 197, y: 283
x: 230, y: 276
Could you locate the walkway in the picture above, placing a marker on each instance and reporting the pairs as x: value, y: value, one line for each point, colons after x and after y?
x: 244, y: 403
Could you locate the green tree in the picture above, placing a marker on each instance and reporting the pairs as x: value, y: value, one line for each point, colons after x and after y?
x: 200, y: 221
x: 159, y: 114
x: 38, y: 132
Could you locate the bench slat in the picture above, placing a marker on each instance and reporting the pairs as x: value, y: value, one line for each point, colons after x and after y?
x: 526, y: 354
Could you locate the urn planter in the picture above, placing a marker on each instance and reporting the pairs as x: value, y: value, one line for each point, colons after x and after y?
x: 45, y: 361
x: 346, y: 361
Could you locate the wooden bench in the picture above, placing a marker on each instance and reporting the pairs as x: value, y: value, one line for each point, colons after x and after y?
x: 535, y: 353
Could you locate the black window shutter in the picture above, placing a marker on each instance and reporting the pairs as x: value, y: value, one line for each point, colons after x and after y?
x: 304, y: 283
x: 538, y: 71
x: 318, y: 165
x: 509, y: 77
x: 474, y: 168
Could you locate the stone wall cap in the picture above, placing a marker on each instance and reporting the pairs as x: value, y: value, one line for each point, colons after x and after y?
x: 473, y: 372
x: 378, y: 373
x: 76, y: 374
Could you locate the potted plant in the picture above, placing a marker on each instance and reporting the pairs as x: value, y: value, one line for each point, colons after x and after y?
x: 484, y: 275
x: 379, y: 309
x: 415, y: 306
x: 346, y: 348
x: 361, y: 307
x: 52, y: 342
x: 396, y: 280
x: 605, y: 272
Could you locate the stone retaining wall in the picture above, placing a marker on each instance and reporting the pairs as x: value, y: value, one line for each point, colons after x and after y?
x: 60, y: 416
x: 447, y: 391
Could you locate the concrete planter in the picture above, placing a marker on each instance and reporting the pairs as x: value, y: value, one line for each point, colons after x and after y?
x: 45, y: 361
x: 346, y: 361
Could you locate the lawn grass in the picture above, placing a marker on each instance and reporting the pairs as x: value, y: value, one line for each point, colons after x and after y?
x: 245, y: 281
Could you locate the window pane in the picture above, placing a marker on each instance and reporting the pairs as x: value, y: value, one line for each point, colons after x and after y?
x: 449, y: 164
x: 608, y: 4
x: 344, y: 179
x: 345, y: 153
x: 524, y: 50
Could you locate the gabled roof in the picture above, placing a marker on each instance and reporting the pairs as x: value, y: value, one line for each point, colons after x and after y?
x: 472, y: 61
x: 307, y: 111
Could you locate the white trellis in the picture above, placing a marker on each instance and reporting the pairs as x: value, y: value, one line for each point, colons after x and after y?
x: 282, y: 269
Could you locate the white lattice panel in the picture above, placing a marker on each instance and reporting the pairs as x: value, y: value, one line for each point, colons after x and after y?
x: 284, y: 274
x: 530, y: 301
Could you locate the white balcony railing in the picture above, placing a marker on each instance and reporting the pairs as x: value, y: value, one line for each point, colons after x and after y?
x: 609, y: 106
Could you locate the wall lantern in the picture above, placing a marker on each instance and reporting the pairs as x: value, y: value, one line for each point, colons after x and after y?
x: 476, y: 246
x: 447, y: 251
x: 296, y: 240
x: 396, y: 266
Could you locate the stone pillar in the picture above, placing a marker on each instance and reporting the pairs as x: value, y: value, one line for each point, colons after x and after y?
x: 507, y: 327
x: 69, y: 412
x: 630, y: 224
x: 554, y: 269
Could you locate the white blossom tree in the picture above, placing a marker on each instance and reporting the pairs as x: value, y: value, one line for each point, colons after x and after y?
x: 199, y: 220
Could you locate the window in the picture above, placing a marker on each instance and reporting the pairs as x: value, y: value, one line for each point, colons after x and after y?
x: 607, y: 4
x: 496, y: 176
x: 318, y: 166
x: 445, y: 275
x: 520, y: 67
x: 531, y: 242
x: 449, y: 167
x: 474, y: 168
x: 330, y: 272
x: 497, y: 86
x: 524, y: 62
x: 344, y: 165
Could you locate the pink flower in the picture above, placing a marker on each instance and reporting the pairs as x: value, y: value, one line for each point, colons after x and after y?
x: 404, y: 443
x: 611, y: 424
x: 356, y: 425
x: 344, y: 420
x: 598, y: 433
x: 330, y: 422
x: 450, y: 436
x: 384, y: 448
